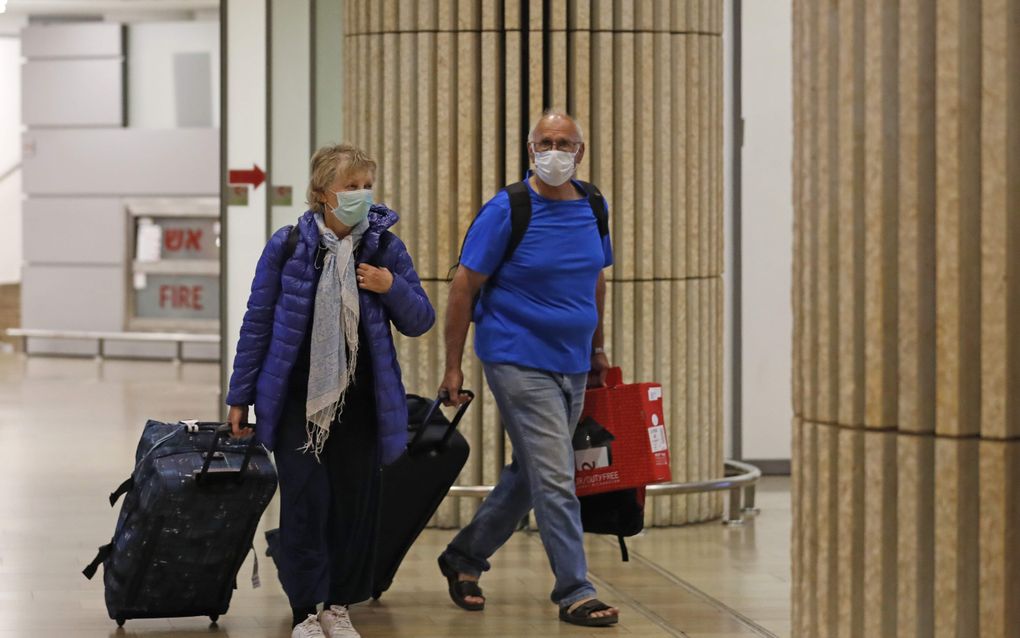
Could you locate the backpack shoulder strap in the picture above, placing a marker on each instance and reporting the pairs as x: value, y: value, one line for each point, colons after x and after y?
x: 292, y: 239
x: 384, y: 241
x: 598, y: 206
x: 520, y: 216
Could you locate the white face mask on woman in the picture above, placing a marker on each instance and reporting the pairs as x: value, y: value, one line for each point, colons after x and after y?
x: 555, y: 167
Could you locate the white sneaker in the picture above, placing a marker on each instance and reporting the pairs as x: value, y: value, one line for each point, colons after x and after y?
x: 310, y: 628
x: 336, y: 622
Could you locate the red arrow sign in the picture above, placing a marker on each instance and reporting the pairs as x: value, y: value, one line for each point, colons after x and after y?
x: 253, y: 177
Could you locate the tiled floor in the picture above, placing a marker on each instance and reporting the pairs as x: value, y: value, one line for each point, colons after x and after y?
x: 67, y: 434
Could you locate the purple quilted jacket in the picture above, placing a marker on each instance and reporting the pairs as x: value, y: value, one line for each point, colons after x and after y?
x: 279, y: 309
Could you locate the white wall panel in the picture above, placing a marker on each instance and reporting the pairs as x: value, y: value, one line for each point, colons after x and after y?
x: 291, y: 107
x: 122, y: 162
x: 767, y: 217
x: 10, y: 157
x: 329, y: 71
x: 151, y: 51
x: 97, y: 39
x: 245, y: 226
x: 72, y: 230
x: 73, y: 297
x: 72, y: 93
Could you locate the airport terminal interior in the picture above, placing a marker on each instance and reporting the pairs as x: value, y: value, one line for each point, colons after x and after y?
x: 812, y: 297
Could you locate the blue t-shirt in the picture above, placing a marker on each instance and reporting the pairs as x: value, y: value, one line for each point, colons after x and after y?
x: 539, y: 310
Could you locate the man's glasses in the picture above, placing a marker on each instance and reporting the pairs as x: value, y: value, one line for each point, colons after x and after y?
x: 560, y: 145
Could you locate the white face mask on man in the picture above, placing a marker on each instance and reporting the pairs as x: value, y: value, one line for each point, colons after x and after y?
x: 555, y: 167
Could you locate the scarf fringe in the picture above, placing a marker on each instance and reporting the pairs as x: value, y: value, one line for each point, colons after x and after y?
x: 318, y: 424
x: 318, y: 433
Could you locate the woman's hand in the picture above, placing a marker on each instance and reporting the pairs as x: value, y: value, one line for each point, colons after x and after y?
x: 238, y: 420
x: 373, y: 279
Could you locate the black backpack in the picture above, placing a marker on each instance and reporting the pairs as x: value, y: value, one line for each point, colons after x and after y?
x: 620, y: 513
x: 520, y: 217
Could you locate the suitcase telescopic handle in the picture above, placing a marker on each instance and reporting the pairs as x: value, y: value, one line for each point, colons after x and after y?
x: 222, y: 430
x: 453, y: 424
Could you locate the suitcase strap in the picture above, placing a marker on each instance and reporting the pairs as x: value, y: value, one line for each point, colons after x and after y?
x: 121, y: 490
x: 624, y: 554
x: 101, y: 556
x: 256, y: 582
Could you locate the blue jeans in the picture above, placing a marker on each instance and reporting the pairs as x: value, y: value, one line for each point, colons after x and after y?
x: 540, y: 411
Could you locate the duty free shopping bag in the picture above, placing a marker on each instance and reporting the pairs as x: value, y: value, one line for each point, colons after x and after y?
x: 620, y: 441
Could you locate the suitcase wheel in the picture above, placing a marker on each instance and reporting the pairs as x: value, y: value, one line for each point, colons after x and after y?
x: 214, y: 618
x: 376, y: 595
x: 120, y: 622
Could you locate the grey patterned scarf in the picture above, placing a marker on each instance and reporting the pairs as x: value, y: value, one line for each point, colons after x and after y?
x: 334, y: 355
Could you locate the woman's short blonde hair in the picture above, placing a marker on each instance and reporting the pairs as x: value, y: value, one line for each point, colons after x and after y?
x: 329, y: 161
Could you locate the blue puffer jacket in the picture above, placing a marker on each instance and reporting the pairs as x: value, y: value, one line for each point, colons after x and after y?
x: 279, y: 310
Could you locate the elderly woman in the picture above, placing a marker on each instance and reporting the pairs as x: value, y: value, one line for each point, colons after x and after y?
x: 317, y: 360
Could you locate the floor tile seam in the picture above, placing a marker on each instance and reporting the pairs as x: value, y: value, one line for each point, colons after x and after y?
x: 698, y: 593
x: 630, y: 601
x: 649, y: 615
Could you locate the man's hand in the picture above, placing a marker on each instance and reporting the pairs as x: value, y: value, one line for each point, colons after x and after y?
x: 373, y: 279
x: 238, y: 419
x: 599, y: 369
x: 451, y: 387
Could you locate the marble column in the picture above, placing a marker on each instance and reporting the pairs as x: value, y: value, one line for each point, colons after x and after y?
x: 443, y: 93
x: 907, y: 312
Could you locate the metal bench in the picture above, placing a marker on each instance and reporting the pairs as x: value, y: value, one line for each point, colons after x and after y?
x: 178, y: 338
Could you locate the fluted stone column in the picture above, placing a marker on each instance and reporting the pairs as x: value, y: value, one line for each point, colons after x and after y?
x: 444, y: 93
x: 907, y: 318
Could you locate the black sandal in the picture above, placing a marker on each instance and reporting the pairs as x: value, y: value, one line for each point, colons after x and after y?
x: 582, y: 614
x: 460, y: 589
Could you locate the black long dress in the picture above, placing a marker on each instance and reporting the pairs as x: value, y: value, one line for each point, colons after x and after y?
x: 329, y: 510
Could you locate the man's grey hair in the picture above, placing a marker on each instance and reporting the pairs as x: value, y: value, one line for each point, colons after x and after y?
x: 548, y: 113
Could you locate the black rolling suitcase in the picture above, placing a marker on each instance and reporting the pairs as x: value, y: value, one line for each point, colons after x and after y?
x: 414, y: 485
x: 190, y: 513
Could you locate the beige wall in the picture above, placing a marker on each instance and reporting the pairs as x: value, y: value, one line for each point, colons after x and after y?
x: 906, y: 308
x: 444, y: 98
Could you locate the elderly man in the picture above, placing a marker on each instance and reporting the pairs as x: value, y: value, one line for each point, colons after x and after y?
x: 530, y: 276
